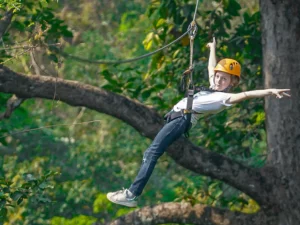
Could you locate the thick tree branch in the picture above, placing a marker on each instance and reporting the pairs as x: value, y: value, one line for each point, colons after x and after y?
x: 5, y: 22
x: 144, y: 120
x: 185, y: 213
x: 76, y: 94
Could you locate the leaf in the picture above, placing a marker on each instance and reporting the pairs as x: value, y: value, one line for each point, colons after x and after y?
x: 18, y: 25
x: 159, y: 86
x: 26, y: 185
x: 16, y: 195
x: 160, y: 22
x: 149, y: 45
x: 43, y: 185
x: 148, y: 41
x: 20, y: 200
x: 51, y: 173
x: 233, y: 8
x: 2, y: 203
x: 67, y: 33
x: 44, y: 200
x: 129, y: 85
x: 176, y: 53
x: 2, y: 195
x: 53, y: 58
x: 109, y: 77
x: 146, y: 94
x: 227, y: 23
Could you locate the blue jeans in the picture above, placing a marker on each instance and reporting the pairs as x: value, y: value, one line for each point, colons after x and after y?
x: 165, y: 137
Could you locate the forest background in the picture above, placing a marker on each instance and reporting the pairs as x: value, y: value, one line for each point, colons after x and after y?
x: 61, y: 174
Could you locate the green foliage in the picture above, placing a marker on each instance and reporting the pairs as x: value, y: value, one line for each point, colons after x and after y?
x: 33, y: 188
x: 14, y: 5
x: 78, y: 220
x: 102, y: 204
x: 103, y: 156
x: 37, y: 21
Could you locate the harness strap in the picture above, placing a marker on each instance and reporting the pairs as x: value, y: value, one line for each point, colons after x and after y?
x: 172, y: 115
x: 190, y: 93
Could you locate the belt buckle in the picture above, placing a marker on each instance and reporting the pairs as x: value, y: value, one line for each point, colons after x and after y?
x: 186, y: 111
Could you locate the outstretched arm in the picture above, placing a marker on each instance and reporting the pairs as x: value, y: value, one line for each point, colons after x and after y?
x: 279, y: 93
x: 212, y: 62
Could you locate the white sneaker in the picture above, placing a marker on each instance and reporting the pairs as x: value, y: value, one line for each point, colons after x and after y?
x: 122, y: 197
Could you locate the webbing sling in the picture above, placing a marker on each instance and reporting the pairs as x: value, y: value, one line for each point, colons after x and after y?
x: 190, y: 91
x: 192, y: 34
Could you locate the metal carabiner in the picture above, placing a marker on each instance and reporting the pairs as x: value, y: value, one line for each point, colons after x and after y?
x: 192, y: 29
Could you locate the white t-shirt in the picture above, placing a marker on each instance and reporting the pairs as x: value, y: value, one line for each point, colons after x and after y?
x: 204, y: 103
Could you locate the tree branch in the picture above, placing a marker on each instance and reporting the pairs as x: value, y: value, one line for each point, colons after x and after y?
x: 144, y: 120
x: 185, y: 213
x: 5, y: 22
x: 12, y: 103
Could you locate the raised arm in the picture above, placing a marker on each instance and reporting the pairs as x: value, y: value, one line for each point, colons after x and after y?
x: 235, y: 98
x: 212, y: 62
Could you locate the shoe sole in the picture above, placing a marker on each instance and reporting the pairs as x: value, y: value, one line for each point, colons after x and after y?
x: 121, y: 203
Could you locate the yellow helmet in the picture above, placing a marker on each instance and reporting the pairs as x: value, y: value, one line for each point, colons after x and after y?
x: 229, y: 66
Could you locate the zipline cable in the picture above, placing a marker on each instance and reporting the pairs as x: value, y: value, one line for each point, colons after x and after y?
x: 196, y: 8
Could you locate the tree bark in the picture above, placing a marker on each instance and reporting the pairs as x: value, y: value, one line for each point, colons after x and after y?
x: 13, y: 103
x: 185, y: 213
x: 281, y: 55
x: 5, y: 22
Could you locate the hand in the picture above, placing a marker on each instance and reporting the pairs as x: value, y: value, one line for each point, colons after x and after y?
x: 212, y: 44
x: 279, y: 93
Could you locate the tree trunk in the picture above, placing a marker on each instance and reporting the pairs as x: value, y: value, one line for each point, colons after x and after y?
x: 281, y: 55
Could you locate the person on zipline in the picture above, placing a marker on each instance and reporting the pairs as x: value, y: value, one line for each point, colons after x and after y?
x: 222, y: 77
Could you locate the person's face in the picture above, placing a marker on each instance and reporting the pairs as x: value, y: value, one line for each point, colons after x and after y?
x: 222, y: 80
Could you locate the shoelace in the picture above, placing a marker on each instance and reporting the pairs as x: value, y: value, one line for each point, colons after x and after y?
x: 121, y: 191
x: 126, y: 193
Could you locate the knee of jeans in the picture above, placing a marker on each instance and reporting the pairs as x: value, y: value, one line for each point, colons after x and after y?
x: 150, y: 156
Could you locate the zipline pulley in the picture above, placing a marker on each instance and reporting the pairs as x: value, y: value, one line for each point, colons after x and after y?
x: 192, y: 30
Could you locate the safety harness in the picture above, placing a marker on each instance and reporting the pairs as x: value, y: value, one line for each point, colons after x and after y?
x: 187, y: 80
